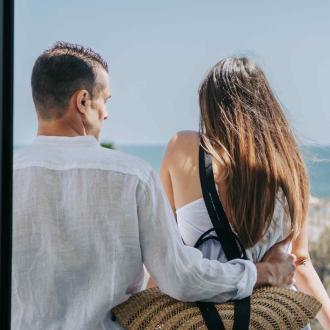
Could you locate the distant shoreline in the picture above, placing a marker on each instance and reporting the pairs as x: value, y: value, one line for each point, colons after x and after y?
x: 317, y: 159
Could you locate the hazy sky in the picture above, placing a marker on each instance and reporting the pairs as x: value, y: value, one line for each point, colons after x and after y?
x: 159, y: 51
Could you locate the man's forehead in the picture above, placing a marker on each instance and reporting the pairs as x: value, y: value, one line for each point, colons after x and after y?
x: 102, y: 75
x: 102, y: 78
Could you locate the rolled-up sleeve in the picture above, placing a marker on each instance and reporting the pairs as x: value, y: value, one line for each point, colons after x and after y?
x: 179, y: 270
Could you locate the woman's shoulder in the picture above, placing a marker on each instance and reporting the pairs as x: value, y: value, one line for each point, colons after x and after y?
x: 181, y: 147
x: 184, y: 141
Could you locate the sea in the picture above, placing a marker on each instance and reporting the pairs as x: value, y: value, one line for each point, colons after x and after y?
x: 317, y: 159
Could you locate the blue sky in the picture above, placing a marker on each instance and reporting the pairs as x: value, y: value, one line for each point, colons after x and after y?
x: 159, y: 51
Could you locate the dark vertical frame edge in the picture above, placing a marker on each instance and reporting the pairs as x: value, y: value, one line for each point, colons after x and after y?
x: 6, y: 158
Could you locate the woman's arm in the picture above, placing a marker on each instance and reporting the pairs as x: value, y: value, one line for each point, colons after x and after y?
x: 165, y: 177
x: 307, y: 279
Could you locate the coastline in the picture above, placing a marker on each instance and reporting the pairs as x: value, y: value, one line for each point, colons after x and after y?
x: 318, y: 217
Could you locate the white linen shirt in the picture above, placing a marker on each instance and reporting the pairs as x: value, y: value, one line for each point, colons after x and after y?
x: 85, y: 221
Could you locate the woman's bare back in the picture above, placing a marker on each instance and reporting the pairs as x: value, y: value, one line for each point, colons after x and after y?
x: 180, y: 170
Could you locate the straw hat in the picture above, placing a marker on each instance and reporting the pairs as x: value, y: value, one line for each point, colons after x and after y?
x: 271, y: 308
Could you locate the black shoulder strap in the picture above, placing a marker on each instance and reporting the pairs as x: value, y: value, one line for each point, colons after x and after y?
x: 210, y: 315
x: 230, y: 243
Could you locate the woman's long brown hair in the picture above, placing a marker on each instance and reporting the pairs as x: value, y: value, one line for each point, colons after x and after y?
x: 243, y: 126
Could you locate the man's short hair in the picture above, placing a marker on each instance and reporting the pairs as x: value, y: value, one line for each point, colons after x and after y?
x: 59, y: 72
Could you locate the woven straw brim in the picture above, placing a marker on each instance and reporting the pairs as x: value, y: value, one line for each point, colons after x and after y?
x: 271, y: 308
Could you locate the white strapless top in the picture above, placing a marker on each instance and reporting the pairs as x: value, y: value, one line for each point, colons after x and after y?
x: 193, y: 220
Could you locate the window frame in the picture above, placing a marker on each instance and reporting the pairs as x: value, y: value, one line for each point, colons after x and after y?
x: 6, y: 156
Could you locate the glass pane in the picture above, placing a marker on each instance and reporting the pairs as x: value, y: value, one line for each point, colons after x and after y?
x: 158, y: 54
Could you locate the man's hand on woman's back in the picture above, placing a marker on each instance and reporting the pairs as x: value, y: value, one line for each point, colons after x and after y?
x: 277, y: 267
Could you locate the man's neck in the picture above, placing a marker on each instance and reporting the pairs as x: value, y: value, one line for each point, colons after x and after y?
x: 59, y: 128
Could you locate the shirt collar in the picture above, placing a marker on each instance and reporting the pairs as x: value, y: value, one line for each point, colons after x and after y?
x: 87, y: 140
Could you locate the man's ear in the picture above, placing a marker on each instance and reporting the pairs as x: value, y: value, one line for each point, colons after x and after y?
x: 81, y: 99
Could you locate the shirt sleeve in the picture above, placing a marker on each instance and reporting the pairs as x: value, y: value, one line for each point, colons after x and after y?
x: 179, y: 270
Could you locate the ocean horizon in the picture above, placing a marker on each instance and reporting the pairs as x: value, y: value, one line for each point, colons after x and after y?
x: 317, y: 158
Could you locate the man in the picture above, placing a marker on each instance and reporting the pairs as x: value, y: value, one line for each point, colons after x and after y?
x: 86, y: 219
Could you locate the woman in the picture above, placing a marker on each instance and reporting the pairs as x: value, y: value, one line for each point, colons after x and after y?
x: 258, y: 170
